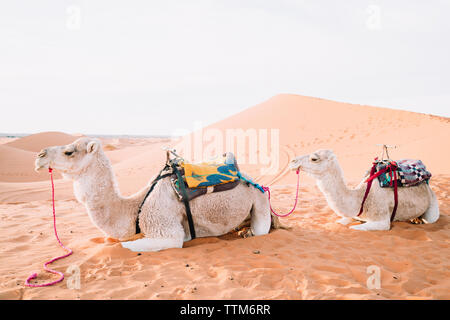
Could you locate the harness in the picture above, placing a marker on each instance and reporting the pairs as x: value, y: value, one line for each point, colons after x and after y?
x: 170, y: 169
x: 154, y: 182
x: 185, y: 200
x: 184, y: 193
x: 390, y: 168
x: 394, y: 174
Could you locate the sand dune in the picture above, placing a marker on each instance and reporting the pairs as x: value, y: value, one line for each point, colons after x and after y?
x: 316, y: 259
x: 352, y: 131
x: 17, y: 165
x: 36, y: 142
x: 17, y: 157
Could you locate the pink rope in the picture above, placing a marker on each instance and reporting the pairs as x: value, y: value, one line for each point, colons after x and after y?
x: 34, y: 275
x: 296, y: 198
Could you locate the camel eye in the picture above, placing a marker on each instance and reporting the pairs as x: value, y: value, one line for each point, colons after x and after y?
x: 314, y: 159
x: 68, y: 153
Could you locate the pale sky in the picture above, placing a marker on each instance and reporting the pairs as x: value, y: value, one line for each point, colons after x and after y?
x: 151, y: 67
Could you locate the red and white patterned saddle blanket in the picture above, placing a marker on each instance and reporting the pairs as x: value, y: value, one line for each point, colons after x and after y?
x: 409, y: 173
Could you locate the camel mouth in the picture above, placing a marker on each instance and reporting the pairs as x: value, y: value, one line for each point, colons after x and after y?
x: 38, y: 168
x: 38, y: 165
x: 294, y: 166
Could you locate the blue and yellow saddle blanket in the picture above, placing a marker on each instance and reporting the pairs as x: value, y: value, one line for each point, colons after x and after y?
x: 214, y: 173
x: 207, y: 174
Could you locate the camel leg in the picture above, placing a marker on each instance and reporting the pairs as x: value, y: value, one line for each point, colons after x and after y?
x: 276, y: 224
x: 152, y: 244
x: 432, y: 213
x: 260, y: 218
x: 373, y: 225
x: 244, y: 224
x: 345, y: 221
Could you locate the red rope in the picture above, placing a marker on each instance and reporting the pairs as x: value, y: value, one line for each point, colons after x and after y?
x: 34, y: 275
x: 369, y: 181
x: 391, y: 168
x: 296, y: 198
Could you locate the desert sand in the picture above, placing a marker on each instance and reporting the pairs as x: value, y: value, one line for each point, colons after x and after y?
x: 316, y: 259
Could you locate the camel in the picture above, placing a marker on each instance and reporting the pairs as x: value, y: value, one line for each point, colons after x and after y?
x: 413, y: 202
x: 162, y: 220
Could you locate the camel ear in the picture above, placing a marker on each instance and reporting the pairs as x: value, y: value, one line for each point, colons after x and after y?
x: 92, y: 146
x: 330, y: 155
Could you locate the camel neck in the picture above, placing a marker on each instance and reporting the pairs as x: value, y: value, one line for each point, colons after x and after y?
x: 96, y: 188
x: 96, y: 185
x: 343, y: 200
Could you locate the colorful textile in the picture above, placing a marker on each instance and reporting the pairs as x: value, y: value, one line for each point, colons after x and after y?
x: 209, y: 174
x: 409, y: 173
x: 192, y: 193
x: 250, y: 181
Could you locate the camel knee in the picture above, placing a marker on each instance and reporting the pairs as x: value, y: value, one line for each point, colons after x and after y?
x: 431, y: 215
x: 260, y: 222
x: 259, y: 228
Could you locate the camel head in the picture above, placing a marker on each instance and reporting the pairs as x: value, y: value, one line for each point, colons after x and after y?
x: 315, y: 164
x: 70, y: 159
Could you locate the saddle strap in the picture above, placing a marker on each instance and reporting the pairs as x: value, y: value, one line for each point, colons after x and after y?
x: 154, y: 182
x: 369, y: 185
x: 395, y: 195
x: 393, y: 168
x: 185, y: 200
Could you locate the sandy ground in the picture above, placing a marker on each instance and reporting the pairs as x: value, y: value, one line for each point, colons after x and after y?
x: 316, y: 259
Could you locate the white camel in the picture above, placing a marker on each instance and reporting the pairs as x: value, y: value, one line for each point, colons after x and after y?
x: 413, y: 202
x: 163, y: 218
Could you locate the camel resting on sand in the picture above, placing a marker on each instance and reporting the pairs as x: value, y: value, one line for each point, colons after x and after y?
x: 163, y: 218
x: 413, y: 202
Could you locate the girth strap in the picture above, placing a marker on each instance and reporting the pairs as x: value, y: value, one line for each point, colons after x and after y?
x: 185, y: 200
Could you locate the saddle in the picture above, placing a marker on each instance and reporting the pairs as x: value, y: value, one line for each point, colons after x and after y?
x: 409, y: 173
x: 207, y: 177
x: 395, y: 174
x: 193, y: 180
